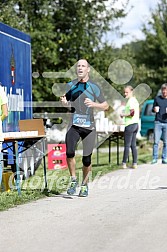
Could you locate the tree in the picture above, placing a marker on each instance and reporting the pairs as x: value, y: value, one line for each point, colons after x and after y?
x: 80, y: 26
x: 35, y: 18
x: 40, y: 26
x: 62, y: 32
x: 9, y: 14
x: 153, y: 53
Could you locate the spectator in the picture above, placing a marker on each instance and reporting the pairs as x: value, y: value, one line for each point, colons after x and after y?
x: 131, y: 117
x: 3, y: 115
x: 160, y: 124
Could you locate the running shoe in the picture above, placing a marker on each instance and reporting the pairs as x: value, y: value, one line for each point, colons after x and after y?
x: 84, y: 191
x: 72, y: 188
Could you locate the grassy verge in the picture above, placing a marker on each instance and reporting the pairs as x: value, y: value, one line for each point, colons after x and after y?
x: 33, y: 188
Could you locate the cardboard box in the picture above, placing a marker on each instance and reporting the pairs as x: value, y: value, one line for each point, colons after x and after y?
x: 32, y: 125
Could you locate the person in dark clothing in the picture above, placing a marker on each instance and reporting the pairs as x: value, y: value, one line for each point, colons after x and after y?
x: 160, y: 124
x: 82, y: 96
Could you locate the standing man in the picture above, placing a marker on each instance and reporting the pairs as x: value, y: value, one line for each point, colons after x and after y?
x: 160, y: 124
x: 81, y: 97
x: 3, y: 115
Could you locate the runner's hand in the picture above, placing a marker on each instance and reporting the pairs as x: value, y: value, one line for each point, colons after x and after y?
x: 88, y: 102
x: 63, y: 99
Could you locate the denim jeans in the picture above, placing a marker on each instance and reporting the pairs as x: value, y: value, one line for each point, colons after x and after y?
x: 130, y: 142
x: 160, y: 132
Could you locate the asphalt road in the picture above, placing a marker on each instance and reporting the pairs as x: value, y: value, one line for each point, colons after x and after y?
x: 126, y: 211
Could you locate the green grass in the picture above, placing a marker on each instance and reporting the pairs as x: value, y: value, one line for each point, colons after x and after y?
x: 33, y: 188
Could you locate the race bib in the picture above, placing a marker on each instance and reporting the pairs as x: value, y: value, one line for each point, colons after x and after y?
x: 81, y: 120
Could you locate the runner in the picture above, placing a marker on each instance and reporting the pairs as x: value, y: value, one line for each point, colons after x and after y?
x: 82, y: 96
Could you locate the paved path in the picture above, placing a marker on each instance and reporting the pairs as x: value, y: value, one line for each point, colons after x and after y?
x: 126, y: 211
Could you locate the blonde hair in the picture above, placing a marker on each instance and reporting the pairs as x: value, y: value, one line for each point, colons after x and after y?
x: 130, y: 87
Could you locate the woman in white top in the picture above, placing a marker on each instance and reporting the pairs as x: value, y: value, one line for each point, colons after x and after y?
x: 131, y: 117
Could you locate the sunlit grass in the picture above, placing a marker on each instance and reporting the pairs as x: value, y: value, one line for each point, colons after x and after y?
x: 33, y: 188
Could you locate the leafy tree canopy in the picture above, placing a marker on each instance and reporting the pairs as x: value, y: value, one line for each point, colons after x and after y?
x: 62, y: 31
x: 153, y: 53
